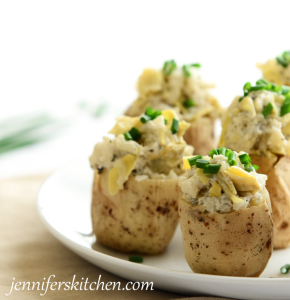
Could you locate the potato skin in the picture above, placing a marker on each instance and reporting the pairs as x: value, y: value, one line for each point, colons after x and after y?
x: 201, y: 136
x: 141, y: 218
x: 231, y: 244
x: 278, y: 185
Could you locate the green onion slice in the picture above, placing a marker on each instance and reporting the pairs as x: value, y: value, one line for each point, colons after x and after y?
x: 285, y: 109
x: 168, y: 67
x: 285, y: 90
x: 228, y: 152
x: 192, y: 160
x: 282, y: 61
x: 247, y: 86
x: 213, y: 152
x: 244, y: 158
x: 188, y: 103
x: 128, y: 136
x: 222, y: 150
x: 145, y: 119
x: 136, y: 259
x: 197, y: 65
x: 232, y: 162
x: 232, y: 156
x: 132, y: 135
x: 201, y: 163
x: 211, y: 168
x: 255, y: 167
x: 248, y: 167
x: 174, y: 126
x: 186, y: 71
x: 285, y: 269
x: 267, y: 110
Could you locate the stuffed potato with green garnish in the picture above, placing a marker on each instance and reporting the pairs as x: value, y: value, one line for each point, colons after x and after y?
x: 277, y: 70
x: 135, y: 191
x: 183, y: 90
x: 259, y: 123
x: 225, y: 215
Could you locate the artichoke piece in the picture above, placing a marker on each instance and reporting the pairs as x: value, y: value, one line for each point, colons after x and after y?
x: 242, y: 180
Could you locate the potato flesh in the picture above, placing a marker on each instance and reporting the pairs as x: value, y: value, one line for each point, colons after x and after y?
x: 231, y: 244
x: 140, y: 218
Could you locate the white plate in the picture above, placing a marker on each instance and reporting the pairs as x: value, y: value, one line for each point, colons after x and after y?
x: 64, y: 207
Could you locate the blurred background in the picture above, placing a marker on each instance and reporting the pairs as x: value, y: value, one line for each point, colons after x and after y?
x: 70, y: 67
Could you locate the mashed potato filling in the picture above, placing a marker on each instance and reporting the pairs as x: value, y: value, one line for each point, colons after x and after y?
x: 155, y: 155
x: 183, y: 91
x: 247, y: 127
x: 235, y: 186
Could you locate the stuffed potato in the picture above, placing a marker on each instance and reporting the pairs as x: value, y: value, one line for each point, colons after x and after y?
x: 259, y: 123
x: 135, y: 191
x: 225, y: 215
x: 277, y: 70
x: 183, y: 90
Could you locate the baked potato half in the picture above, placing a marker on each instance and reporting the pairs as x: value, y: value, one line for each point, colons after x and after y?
x: 259, y: 123
x: 140, y: 218
x: 225, y: 215
x: 278, y: 185
x: 238, y: 243
x: 201, y: 135
x: 135, y: 191
x: 183, y: 90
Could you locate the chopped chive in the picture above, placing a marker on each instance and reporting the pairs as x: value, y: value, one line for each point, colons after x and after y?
x: 257, y: 88
x: 201, y: 163
x: 228, y: 152
x: 128, y: 136
x: 169, y: 66
x: 287, y: 100
x: 282, y: 62
x: 248, y: 167
x: 232, y: 156
x: 285, y: 269
x: 285, y: 90
x: 262, y: 81
x: 285, y: 109
x: 213, y: 152
x: 255, y: 167
x: 188, y: 103
x: 211, y: 168
x: 247, y: 86
x: 135, y: 133
x: 277, y: 88
x: 174, y: 126
x: 145, y: 119
x: 132, y: 135
x: 136, y: 259
x: 192, y: 160
x: 186, y: 71
x: 150, y: 114
x: 286, y: 56
x: 222, y: 150
x: 267, y: 110
x: 244, y: 158
x: 232, y: 162
x: 197, y: 65
x: 241, y: 98
x: 165, y: 121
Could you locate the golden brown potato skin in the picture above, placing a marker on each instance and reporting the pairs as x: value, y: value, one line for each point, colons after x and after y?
x: 141, y: 218
x: 278, y: 185
x: 231, y: 244
x: 201, y: 136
